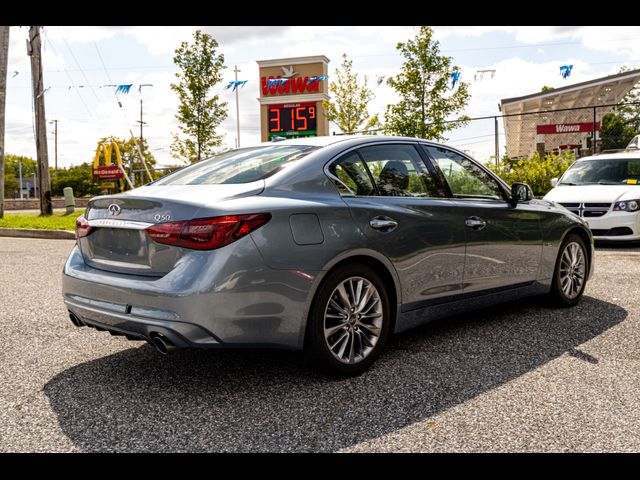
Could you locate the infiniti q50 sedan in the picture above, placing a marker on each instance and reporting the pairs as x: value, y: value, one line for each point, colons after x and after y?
x: 326, y: 245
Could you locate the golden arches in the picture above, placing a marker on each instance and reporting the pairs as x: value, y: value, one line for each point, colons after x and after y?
x: 107, y: 150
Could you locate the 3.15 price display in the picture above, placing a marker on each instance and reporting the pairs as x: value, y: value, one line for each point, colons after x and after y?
x: 292, y: 120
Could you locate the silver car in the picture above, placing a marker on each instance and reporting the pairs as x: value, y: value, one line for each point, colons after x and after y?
x: 324, y: 244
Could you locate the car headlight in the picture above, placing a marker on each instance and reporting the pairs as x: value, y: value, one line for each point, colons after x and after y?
x: 627, y: 206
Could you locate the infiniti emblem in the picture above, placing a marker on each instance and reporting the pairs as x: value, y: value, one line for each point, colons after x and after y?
x: 114, y: 209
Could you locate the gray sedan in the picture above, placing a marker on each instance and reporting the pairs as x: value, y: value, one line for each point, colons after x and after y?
x: 324, y: 244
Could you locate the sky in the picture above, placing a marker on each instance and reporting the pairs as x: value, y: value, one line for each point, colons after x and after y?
x: 79, y: 61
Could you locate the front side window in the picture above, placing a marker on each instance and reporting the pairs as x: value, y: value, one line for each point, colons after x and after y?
x: 238, y: 166
x: 465, y: 178
x: 603, y: 172
x: 398, y: 171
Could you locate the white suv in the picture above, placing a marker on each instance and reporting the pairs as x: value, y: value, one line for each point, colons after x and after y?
x: 605, y: 190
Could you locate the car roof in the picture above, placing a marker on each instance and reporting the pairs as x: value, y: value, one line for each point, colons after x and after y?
x: 325, y: 141
x: 627, y: 154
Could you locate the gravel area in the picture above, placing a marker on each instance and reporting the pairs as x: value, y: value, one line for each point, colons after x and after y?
x: 518, y: 377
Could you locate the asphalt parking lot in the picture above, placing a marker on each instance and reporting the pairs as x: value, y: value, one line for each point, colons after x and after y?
x: 520, y: 377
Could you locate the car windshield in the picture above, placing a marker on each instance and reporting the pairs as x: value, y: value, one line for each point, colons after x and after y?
x: 603, y: 172
x: 239, y: 166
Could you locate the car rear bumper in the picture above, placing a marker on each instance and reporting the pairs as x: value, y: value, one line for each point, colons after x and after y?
x: 209, y: 303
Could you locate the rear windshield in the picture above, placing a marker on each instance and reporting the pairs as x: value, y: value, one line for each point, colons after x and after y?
x: 238, y: 166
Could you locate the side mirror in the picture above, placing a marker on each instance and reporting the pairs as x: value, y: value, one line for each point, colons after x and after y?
x: 520, y: 192
x: 554, y: 182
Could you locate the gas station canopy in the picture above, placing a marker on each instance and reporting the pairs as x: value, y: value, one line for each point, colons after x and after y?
x: 568, y: 127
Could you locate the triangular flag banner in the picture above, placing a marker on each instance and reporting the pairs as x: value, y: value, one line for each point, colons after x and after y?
x: 455, y: 76
x: 565, y: 70
x: 124, y: 88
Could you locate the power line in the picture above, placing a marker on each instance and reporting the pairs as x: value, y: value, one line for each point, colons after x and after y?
x: 78, y: 64
x: 101, y: 60
x: 46, y: 38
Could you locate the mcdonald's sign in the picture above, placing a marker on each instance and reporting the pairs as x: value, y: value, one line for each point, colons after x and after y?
x: 108, y: 171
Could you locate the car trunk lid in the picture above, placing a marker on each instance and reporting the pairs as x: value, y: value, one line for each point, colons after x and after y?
x: 118, y: 240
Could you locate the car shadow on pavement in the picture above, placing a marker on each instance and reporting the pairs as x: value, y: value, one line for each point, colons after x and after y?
x: 249, y: 400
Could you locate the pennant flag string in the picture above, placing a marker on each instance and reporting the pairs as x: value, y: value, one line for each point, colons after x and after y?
x: 235, y: 84
x: 274, y: 82
x: 316, y: 79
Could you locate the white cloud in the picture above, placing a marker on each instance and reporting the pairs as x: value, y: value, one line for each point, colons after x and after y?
x: 613, y: 39
x: 372, y: 49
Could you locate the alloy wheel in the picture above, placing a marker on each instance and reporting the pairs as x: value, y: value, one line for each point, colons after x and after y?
x: 572, y: 270
x: 353, y: 320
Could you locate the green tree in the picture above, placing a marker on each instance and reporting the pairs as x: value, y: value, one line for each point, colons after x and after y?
x: 618, y: 128
x: 351, y: 99
x: 615, y: 132
x: 12, y: 174
x: 79, y: 178
x: 423, y: 86
x: 631, y: 113
x: 199, y: 113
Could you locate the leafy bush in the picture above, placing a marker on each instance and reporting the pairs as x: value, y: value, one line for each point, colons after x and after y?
x: 534, y: 171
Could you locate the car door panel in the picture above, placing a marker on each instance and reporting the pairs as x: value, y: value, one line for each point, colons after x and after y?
x: 392, y: 189
x: 426, y: 248
x: 506, y: 251
x: 503, y: 242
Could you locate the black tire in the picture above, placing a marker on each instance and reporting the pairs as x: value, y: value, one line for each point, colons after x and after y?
x: 557, y: 295
x: 317, y: 350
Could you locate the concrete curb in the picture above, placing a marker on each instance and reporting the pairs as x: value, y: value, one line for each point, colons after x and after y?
x: 36, y: 233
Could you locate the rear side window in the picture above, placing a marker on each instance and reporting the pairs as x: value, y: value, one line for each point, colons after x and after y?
x: 352, y: 174
x: 399, y: 171
x: 238, y: 166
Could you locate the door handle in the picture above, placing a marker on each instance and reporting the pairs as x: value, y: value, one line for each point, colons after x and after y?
x: 475, y: 222
x: 384, y: 224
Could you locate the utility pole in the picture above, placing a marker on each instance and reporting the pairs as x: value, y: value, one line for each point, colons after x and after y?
x: 236, y: 71
x: 20, y: 176
x: 34, y: 51
x: 497, y: 140
x: 55, y: 134
x: 140, y: 121
x: 4, y: 56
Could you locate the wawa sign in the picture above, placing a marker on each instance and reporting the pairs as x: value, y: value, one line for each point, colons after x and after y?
x: 291, y: 94
x: 559, y: 128
x: 287, y: 86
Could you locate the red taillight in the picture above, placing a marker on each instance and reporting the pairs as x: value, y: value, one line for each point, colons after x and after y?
x: 82, y: 227
x: 207, y: 233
